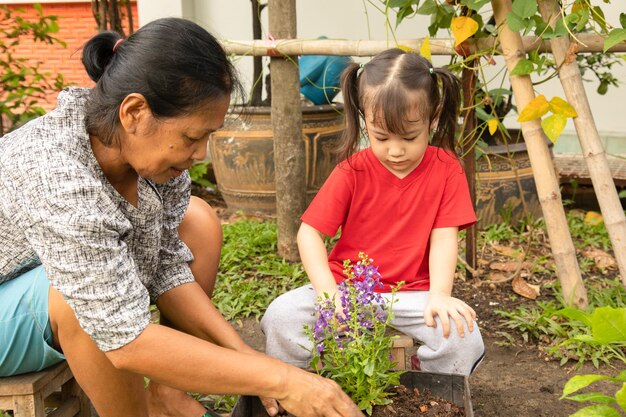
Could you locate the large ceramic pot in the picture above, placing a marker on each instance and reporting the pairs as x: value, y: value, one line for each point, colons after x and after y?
x: 505, y: 186
x: 242, y: 155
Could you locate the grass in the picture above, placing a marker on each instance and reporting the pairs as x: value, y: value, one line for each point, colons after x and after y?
x: 251, y: 274
x: 546, y: 323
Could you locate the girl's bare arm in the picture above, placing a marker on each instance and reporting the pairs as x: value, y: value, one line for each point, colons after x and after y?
x: 315, y: 260
x: 442, y: 264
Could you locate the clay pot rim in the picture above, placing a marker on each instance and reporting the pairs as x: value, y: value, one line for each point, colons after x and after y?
x: 306, y: 109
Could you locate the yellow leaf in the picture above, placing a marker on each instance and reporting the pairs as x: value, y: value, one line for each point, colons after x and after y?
x: 493, y: 125
x: 553, y: 126
x: 534, y: 110
x: 405, y: 48
x: 462, y: 28
x: 425, y: 48
x: 562, y: 107
x: 593, y: 218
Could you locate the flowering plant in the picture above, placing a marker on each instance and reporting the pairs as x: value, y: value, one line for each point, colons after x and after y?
x: 350, y: 343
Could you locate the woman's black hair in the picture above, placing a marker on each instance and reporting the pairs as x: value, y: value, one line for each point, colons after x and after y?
x: 384, y: 85
x: 174, y: 63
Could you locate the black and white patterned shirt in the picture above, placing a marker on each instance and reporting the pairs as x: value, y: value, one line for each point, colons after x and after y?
x: 108, y: 258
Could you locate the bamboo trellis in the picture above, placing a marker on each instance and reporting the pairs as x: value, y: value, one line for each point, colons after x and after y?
x: 591, y: 145
x: 438, y: 46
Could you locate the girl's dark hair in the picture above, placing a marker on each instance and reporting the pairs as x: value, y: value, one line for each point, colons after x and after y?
x: 174, y: 63
x: 384, y: 85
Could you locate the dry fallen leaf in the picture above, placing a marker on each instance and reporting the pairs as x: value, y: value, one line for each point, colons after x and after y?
x: 509, y: 266
x: 602, y: 259
x: 506, y: 251
x: 423, y: 408
x: 521, y: 287
x: 497, y: 277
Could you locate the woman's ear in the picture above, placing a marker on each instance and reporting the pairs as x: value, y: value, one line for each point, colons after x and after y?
x: 134, y: 110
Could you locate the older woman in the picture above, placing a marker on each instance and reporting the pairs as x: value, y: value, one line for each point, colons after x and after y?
x: 96, y: 223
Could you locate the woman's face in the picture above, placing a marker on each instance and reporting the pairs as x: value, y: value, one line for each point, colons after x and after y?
x: 161, y: 149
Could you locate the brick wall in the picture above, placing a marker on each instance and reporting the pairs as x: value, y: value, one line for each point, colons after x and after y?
x: 76, y: 26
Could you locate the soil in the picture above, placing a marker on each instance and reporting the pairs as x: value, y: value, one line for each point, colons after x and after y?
x: 415, y: 403
x: 516, y: 378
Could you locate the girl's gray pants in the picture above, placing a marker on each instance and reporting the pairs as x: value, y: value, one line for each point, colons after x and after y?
x: 286, y: 316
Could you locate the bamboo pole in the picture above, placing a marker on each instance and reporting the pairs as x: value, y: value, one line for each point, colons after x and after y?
x: 562, y: 246
x: 289, y: 152
x: 587, y: 43
x: 469, y: 137
x: 590, y: 142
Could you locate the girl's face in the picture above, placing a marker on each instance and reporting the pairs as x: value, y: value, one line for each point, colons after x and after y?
x: 160, y: 149
x: 399, y: 153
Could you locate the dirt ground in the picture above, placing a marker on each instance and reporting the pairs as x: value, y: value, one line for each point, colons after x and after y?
x: 511, y: 381
x: 516, y: 381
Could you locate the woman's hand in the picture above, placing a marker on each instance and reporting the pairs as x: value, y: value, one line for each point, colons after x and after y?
x: 310, y: 395
x: 447, y: 307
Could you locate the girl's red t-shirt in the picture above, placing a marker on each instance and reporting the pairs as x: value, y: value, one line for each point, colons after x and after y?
x: 389, y: 218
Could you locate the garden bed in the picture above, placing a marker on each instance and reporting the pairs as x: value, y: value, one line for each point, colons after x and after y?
x: 517, y: 377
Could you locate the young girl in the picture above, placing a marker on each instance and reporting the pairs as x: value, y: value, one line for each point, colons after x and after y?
x: 401, y: 201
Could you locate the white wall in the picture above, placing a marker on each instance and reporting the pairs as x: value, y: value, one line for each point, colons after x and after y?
x: 355, y: 19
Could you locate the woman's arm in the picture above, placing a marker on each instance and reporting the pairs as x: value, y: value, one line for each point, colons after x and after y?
x: 188, y: 363
x: 315, y: 260
x: 190, y: 310
x: 442, y: 264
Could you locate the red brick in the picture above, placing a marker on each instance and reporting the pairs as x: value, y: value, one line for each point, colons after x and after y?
x: 76, y: 26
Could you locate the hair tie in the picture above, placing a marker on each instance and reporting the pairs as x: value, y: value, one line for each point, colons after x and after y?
x: 431, y: 71
x: 120, y: 40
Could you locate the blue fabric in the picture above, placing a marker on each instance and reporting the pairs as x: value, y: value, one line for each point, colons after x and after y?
x: 320, y: 76
x: 25, y: 334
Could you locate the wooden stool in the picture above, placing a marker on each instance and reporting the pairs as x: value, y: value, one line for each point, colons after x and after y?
x: 29, y: 394
x: 399, y: 352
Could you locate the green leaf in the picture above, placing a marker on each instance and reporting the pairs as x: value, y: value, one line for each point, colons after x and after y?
x: 595, y: 397
x: 523, y: 67
x: 576, y: 314
x: 598, y: 16
x: 620, y: 397
x: 515, y: 22
x: 622, y: 20
x: 428, y: 8
x: 393, y: 4
x: 609, y: 324
x: 578, y: 382
x: 476, y: 4
x: 615, y: 36
x: 38, y: 7
x: 525, y: 8
x: 621, y: 376
x: 600, y: 410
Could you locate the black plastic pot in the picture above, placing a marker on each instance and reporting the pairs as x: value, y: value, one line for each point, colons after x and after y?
x: 450, y: 387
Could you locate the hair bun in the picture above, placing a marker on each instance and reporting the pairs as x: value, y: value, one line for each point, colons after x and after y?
x: 98, y: 52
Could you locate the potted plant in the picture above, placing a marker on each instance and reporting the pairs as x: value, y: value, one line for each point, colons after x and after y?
x: 242, y: 152
x: 353, y: 348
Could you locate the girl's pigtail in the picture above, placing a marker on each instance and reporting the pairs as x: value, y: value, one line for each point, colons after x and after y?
x: 447, y: 111
x: 352, y: 113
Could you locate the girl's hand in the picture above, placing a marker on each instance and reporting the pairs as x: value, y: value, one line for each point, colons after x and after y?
x: 446, y: 307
